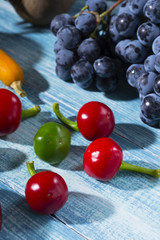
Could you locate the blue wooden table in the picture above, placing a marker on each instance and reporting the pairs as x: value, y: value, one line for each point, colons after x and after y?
x: 125, y: 208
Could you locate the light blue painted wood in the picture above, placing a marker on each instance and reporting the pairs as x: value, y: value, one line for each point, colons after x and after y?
x: 40, y: 67
x: 127, y: 207
x: 91, y: 201
x: 19, y: 222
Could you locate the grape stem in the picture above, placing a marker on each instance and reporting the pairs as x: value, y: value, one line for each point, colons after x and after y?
x: 108, y: 11
x: 100, y: 17
x: 130, y: 167
x: 30, y: 167
x: 30, y: 112
x: 82, y: 10
x: 63, y: 119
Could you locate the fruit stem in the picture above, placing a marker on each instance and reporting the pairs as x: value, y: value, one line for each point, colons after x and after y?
x: 82, y: 10
x: 17, y: 87
x: 31, y: 111
x: 130, y: 167
x: 98, y: 21
x: 63, y: 119
x: 108, y: 11
x: 30, y: 167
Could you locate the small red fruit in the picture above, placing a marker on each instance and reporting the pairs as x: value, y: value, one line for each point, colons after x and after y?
x: 46, y: 192
x: 95, y: 120
x: 10, y: 112
x: 102, y: 159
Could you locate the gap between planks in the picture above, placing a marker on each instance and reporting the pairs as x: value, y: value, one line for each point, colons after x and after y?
x: 52, y: 215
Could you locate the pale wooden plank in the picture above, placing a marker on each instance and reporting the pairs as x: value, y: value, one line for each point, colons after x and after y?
x: 19, y: 222
x: 125, y: 208
x: 93, y: 207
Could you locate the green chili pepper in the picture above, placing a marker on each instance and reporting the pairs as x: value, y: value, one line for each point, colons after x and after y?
x: 52, y: 142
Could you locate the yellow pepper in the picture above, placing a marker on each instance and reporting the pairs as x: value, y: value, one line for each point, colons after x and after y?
x: 11, y: 74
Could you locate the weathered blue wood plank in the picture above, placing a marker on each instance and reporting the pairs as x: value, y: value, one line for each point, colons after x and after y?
x: 127, y: 207
x: 39, y: 71
x: 19, y: 222
x: 93, y: 207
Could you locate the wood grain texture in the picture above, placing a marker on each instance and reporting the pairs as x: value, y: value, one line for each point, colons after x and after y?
x: 128, y: 206
x: 20, y: 222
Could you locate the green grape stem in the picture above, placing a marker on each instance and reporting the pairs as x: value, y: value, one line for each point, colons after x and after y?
x: 82, y: 10
x: 130, y: 167
x: 30, y: 167
x: 100, y: 17
x: 31, y: 111
x: 108, y: 11
x: 62, y: 118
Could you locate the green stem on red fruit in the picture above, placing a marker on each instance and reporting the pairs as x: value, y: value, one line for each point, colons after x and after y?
x: 31, y: 111
x: 108, y: 11
x: 82, y: 10
x: 31, y: 169
x: 63, y: 119
x: 130, y: 167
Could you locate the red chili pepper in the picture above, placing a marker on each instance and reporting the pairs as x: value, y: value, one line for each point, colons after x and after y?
x: 94, y: 120
x: 46, y: 192
x: 11, y: 112
x: 103, y: 158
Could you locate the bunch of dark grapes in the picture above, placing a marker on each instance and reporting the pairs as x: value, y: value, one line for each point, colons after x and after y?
x: 135, y: 29
x: 88, y: 44
x: 83, y: 48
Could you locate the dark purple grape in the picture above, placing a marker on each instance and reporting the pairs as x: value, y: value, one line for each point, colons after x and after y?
x: 149, y: 63
x: 149, y: 122
x: 120, y: 46
x: 152, y: 10
x: 135, y: 52
x: 69, y: 36
x: 89, y: 49
x: 157, y: 62
x: 124, y: 7
x: 63, y: 72
x: 57, y: 47
x: 86, y: 23
x: 107, y: 85
x: 133, y: 72
x: 156, y: 85
x: 82, y: 73
x: 59, y: 21
x: 145, y: 83
x: 150, y: 106
x: 113, y: 32
x: 156, y: 45
x: 136, y: 6
x: 104, y: 67
x: 147, y: 32
x: 141, y: 96
x: 97, y: 5
x: 65, y: 58
x: 126, y: 24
